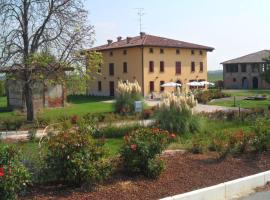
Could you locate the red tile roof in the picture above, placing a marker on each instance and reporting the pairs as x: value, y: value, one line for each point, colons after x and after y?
x: 150, y: 40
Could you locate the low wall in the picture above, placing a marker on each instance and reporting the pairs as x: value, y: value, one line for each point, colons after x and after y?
x: 228, y: 190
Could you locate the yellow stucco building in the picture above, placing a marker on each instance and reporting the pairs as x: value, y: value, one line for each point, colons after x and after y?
x: 150, y: 60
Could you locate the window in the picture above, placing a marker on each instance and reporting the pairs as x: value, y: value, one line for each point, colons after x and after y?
x: 99, y: 86
x: 177, y: 51
x: 255, y: 67
x: 234, y: 79
x: 201, y: 66
x: 192, y: 52
x: 161, y: 51
x: 178, y: 67
x: 99, y: 69
x: 161, y: 67
x: 125, y: 52
x: 111, y: 69
x: 125, y: 67
x: 151, y: 50
x: 201, y: 52
x: 111, y: 53
x: 161, y: 88
x: 243, y: 68
x: 232, y: 68
x: 192, y: 66
x: 151, y: 86
x: 151, y: 66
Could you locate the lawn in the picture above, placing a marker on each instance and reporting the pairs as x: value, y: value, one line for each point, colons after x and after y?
x: 77, y: 105
x: 208, y: 129
x: 239, y: 95
x: 30, y: 149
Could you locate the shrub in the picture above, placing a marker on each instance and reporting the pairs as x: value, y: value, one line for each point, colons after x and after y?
x: 148, y: 113
x: 141, y: 149
x: 175, y: 114
x: 12, y: 123
x: 75, y: 157
x: 208, y: 95
x: 115, y: 132
x: 14, y: 177
x: 127, y: 94
x: 261, y: 140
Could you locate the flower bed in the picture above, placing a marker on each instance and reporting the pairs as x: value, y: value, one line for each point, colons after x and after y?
x: 184, y: 172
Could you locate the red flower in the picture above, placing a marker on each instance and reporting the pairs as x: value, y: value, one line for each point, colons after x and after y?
x: 155, y: 130
x: 2, y: 171
x: 172, y: 135
x: 133, y: 147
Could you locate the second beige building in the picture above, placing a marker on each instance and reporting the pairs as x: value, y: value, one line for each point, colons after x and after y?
x: 150, y: 60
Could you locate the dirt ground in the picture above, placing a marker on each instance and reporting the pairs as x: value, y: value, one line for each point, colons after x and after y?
x: 184, y: 172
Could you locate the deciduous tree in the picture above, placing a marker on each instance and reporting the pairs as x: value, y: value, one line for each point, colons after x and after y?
x: 40, y: 37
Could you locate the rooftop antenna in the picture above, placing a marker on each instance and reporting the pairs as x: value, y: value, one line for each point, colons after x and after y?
x: 140, y: 13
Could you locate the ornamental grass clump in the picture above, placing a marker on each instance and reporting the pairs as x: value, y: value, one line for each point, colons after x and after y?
x: 127, y: 94
x: 175, y: 114
x: 141, y: 151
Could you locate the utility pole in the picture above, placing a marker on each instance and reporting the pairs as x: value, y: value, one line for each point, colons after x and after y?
x: 140, y: 13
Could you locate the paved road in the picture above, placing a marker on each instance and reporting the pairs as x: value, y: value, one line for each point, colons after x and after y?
x: 258, y: 196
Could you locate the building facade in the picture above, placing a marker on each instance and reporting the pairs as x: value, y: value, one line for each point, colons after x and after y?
x: 245, y: 72
x: 150, y: 60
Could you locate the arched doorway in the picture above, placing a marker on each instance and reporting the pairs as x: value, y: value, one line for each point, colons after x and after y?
x: 244, y: 83
x: 255, y: 83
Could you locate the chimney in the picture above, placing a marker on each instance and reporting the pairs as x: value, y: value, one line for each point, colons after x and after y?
x: 119, y: 39
x: 142, y: 34
x: 128, y: 39
x: 109, y: 42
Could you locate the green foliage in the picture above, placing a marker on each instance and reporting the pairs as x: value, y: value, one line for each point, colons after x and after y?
x: 261, y: 140
x: 179, y: 121
x: 266, y: 74
x: 75, y: 83
x: 141, y: 149
x: 14, y: 177
x: 125, y: 103
x: 75, y: 157
x: 2, y: 88
x: 94, y: 64
x: 208, y: 95
x: 115, y: 132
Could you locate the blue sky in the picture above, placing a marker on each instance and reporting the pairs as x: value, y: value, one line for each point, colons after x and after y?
x: 233, y: 27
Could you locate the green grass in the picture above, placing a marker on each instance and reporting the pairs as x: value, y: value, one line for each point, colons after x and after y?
x: 215, y: 76
x: 240, y: 94
x: 113, y: 145
x: 78, y: 105
x: 208, y: 130
x: 30, y: 150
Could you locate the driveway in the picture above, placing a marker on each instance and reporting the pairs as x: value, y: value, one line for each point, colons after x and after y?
x: 200, y: 107
x: 258, y: 196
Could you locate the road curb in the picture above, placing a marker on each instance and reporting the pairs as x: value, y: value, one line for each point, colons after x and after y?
x: 226, y: 191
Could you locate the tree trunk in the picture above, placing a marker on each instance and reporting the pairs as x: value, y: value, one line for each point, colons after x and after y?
x: 29, y: 103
